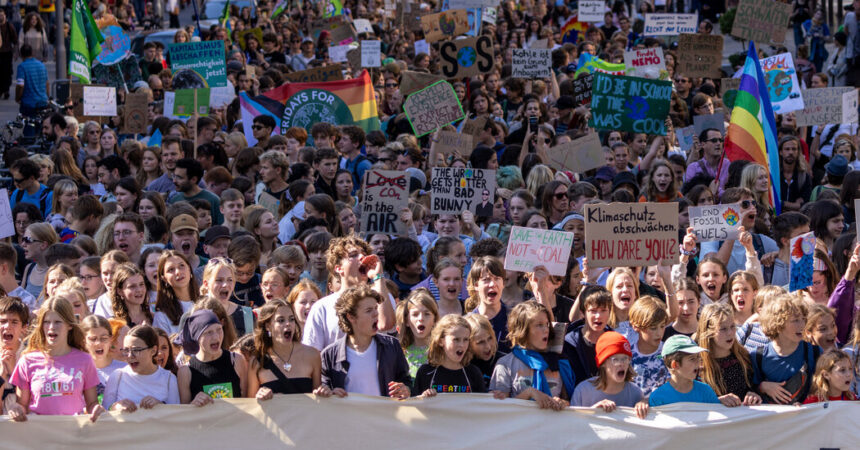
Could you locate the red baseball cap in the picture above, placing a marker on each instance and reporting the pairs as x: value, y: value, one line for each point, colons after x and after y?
x: 611, y: 343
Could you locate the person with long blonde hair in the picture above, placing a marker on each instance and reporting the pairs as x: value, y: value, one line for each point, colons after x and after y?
x: 219, y: 280
x: 70, y: 386
x: 757, y: 179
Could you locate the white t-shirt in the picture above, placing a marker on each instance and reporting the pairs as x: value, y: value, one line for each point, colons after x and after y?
x: 363, y: 375
x: 321, y: 328
x: 102, y: 306
x: 125, y: 384
x: 160, y: 320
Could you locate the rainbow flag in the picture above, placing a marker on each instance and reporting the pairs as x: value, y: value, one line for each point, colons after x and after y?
x: 344, y: 102
x: 752, y: 129
x: 571, y: 29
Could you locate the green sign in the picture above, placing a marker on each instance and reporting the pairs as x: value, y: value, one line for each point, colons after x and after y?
x: 198, y: 65
x: 638, y: 105
x: 219, y: 390
x: 184, y: 103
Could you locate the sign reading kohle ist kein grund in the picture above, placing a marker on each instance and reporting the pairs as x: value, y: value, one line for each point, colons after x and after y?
x: 454, y: 190
x: 638, y: 105
x: 532, y: 247
x: 624, y: 234
x: 203, y: 60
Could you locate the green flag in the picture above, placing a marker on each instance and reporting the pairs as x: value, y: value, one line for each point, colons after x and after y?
x: 225, y: 16
x: 85, y: 43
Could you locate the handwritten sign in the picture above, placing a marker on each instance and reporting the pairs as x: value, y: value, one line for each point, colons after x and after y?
x: 332, y: 72
x: 385, y: 194
x: 444, y: 25
x: 135, y: 113
x: 422, y: 46
x: 716, y: 121
x: 411, y: 81
x: 591, y: 10
x: 432, y: 107
x: 685, y: 138
x: 659, y: 24
x: 828, y: 105
x: 782, y: 84
x: 531, y: 63
x: 729, y: 91
x: 801, y: 261
x: 631, y: 104
x: 646, y: 63
x: 625, y: 234
x: 582, y: 89
x: 198, y: 64
x: 452, y: 142
x: 700, y: 55
x: 99, y: 101
x: 532, y: 247
x: 578, y: 155
x: 454, y: 190
x: 371, y: 53
x: 762, y: 21
x: 466, y: 57
x: 7, y: 221
x: 474, y: 127
x: 362, y: 26
x: 337, y: 53
x: 715, y: 222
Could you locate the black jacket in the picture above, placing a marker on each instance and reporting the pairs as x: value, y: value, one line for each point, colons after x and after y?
x: 390, y: 362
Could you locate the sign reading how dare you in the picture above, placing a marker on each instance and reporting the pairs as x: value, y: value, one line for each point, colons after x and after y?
x: 624, y: 234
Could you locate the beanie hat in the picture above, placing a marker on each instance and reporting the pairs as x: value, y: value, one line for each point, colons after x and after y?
x: 611, y: 343
x: 193, y: 328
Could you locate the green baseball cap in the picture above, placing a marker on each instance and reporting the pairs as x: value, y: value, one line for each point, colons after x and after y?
x: 680, y: 343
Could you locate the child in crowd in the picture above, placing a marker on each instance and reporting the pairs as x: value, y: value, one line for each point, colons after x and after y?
x: 14, y: 319
x: 784, y: 367
x: 275, y: 283
x: 624, y: 287
x: 204, y: 214
x: 403, y: 263
x: 821, y: 327
x: 291, y: 259
x: 448, y: 369
x: 683, y: 359
x: 529, y: 372
x: 726, y: 366
x: 833, y: 378
x: 98, y: 336
x: 317, y: 245
x: 750, y: 334
x: 245, y: 253
x: 416, y: 317
x: 742, y: 291
x: 648, y: 318
x: 142, y: 382
x: 711, y: 275
x: 483, y: 344
x: 613, y: 386
x: 579, y: 343
x: 687, y: 296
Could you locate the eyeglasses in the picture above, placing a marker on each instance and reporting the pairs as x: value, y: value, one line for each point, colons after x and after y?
x: 122, y: 233
x: 390, y: 85
x: 681, y: 80
x: 748, y: 203
x: 22, y: 223
x: 257, y: 127
x: 560, y: 195
x: 273, y: 285
x: 88, y: 277
x: 619, y: 359
x: 131, y: 352
x: 29, y: 240
x: 715, y: 140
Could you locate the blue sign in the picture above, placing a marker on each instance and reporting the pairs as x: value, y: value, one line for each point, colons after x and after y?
x: 116, y: 47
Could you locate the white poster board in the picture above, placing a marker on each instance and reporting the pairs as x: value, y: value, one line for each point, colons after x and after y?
x: 99, y: 101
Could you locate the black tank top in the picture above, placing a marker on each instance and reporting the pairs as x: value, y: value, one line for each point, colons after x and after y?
x: 285, y: 385
x: 217, y: 378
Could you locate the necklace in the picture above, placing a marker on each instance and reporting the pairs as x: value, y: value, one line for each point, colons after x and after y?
x: 287, y: 366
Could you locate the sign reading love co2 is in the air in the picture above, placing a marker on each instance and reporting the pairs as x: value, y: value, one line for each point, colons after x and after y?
x: 631, y: 104
x: 385, y: 194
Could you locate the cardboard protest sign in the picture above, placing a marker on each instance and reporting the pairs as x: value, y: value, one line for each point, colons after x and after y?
x: 474, y: 127
x: 444, y: 25
x: 685, y: 138
x: 337, y: 53
x: 198, y: 65
x: 186, y: 100
x: 801, y: 261
x: 762, y: 21
x: 454, y: 190
x: 7, y: 221
x: 591, y: 10
x: 421, y: 46
x: 341, y: 32
x: 332, y: 72
x: 728, y: 91
x: 490, y: 15
x: 782, y: 84
x: 646, y: 63
x: 629, y: 104
x: 371, y: 53
x: 385, y: 194
x: 716, y: 121
x: 432, y: 107
x: 659, y: 24
x: 473, y: 3
x: 450, y: 141
x: 362, y: 26
x: 466, y: 57
x: 715, y: 222
x: 269, y: 202
x: 532, y: 247
x: 135, y: 113
x: 99, y: 101
x: 828, y: 105
x: 700, y: 55
x: 411, y: 81
x: 530, y: 63
x: 578, y: 155
x: 256, y: 32
x: 631, y: 234
x: 582, y: 89
x: 222, y: 96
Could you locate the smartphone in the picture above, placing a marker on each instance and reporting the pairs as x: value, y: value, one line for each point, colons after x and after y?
x: 533, y: 124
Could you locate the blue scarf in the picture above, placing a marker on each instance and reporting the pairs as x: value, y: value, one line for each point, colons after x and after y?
x: 535, y: 362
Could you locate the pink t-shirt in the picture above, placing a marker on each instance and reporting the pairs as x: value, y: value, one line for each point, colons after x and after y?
x: 57, y: 385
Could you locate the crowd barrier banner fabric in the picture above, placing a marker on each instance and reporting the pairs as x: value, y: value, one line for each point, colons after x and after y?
x: 446, y: 421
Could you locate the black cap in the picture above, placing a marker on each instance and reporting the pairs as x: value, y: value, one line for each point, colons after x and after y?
x: 215, y: 233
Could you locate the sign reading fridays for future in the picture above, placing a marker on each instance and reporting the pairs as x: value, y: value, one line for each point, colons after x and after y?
x: 630, y: 104
x: 198, y: 65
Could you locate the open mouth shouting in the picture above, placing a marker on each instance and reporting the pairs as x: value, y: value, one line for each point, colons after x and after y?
x: 133, y: 364
x: 625, y: 299
x: 621, y: 373
x: 123, y: 246
x: 186, y: 247
x: 492, y: 294
x: 288, y: 335
x: 214, y: 346
x: 375, y: 326
x: 7, y: 338
x: 51, y: 336
x: 711, y: 288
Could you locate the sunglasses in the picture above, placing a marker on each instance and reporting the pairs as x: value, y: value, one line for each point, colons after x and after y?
x: 18, y: 180
x: 748, y: 203
x: 560, y: 195
x: 715, y: 140
x: 29, y: 240
x: 257, y: 127
x: 390, y: 85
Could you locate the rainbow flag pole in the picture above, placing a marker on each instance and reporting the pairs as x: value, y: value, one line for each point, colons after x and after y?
x: 752, y: 129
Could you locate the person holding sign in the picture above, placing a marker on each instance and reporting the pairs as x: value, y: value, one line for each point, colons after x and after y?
x: 731, y: 251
